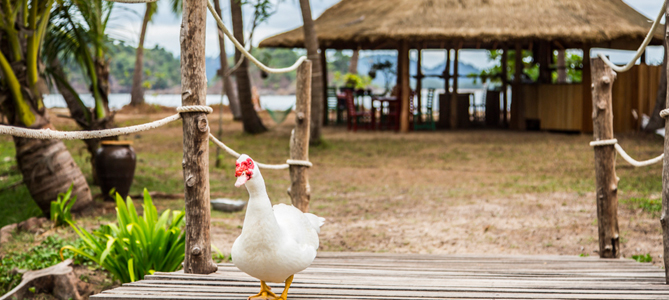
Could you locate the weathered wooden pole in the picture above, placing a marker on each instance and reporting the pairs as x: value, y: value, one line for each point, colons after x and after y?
x: 299, y: 190
x: 403, y: 75
x: 664, y: 219
x: 605, y: 159
x: 455, y: 119
x: 195, y: 140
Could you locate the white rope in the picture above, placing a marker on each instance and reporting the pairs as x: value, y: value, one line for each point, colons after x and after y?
x: 246, y: 53
x: 235, y: 154
x: 624, y: 154
x: 133, y: 1
x: 634, y: 162
x: 603, y: 143
x: 47, y: 133
x: 83, y: 135
x: 641, y: 49
x: 664, y: 113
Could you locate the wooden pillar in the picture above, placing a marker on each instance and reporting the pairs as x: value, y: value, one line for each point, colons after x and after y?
x: 299, y: 190
x: 518, y: 103
x: 447, y: 73
x: 605, y: 160
x: 324, y: 69
x: 195, y: 162
x: 586, y: 92
x: 505, y: 82
x: 419, y: 86
x: 454, y: 95
x: 561, y: 67
x: 664, y: 218
x: 544, y: 56
x: 403, y: 59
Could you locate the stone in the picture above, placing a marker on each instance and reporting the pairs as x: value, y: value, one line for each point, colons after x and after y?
x: 33, y: 224
x: 6, y: 233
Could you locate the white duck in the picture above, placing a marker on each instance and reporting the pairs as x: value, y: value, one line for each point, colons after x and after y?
x: 275, y: 242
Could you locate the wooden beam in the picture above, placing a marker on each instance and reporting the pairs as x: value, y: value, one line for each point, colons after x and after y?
x: 403, y: 58
x: 195, y: 140
x: 605, y: 159
x: 587, y: 91
x: 299, y: 190
x: 454, y: 95
x: 505, y: 82
x: 324, y: 68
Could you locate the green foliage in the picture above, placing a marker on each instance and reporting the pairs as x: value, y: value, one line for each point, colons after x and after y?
x: 16, y: 204
x: 162, y: 69
x: 573, y: 63
x: 42, y: 256
x: 60, y: 209
x: 135, y: 246
x: 350, y: 80
x: 643, y: 258
x: 646, y: 204
x: 584, y: 255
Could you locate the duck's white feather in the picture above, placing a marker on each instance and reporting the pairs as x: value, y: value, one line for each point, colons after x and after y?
x: 276, y: 242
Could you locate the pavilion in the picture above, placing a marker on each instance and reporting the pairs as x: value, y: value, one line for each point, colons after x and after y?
x: 541, y: 26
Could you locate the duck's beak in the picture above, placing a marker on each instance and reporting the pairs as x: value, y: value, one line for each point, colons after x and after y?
x: 241, y: 180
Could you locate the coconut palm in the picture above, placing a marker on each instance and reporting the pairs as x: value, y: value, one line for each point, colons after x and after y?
x: 137, y: 92
x: 78, y: 34
x: 311, y: 43
x: 46, y: 165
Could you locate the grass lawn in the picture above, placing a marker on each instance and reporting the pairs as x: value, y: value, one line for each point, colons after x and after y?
x: 474, y: 191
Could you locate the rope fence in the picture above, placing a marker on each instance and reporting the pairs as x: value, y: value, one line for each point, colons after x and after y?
x: 96, y: 134
x: 641, y: 49
x: 624, y: 155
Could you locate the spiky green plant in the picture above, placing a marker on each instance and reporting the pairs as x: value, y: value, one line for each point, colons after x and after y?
x: 61, y: 209
x: 135, y: 246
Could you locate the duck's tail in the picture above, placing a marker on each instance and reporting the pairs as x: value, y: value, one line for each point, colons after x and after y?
x: 315, y: 221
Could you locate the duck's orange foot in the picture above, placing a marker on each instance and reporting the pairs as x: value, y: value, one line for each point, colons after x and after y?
x: 264, y: 294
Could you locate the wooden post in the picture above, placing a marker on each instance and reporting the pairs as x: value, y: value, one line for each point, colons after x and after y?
x: 664, y: 219
x: 447, y: 74
x: 505, y: 82
x: 605, y: 159
x: 419, y: 87
x: 324, y: 69
x: 404, y: 85
x: 454, y: 95
x: 299, y: 190
x: 518, y: 95
x: 195, y: 140
x: 586, y: 85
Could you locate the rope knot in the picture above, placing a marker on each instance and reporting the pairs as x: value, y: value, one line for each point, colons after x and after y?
x: 195, y: 108
x: 603, y: 143
x: 664, y: 113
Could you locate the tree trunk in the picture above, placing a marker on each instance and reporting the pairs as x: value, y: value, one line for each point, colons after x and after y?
x: 137, y: 93
x: 353, y: 64
x: 664, y: 218
x: 605, y: 159
x: 311, y: 43
x: 656, y: 122
x: 48, y: 169
x: 227, y: 81
x: 250, y: 119
x: 195, y: 161
x: 78, y: 112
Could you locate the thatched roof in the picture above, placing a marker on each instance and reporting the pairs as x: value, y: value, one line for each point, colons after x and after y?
x: 380, y: 24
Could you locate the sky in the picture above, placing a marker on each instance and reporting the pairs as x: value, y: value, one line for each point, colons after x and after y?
x: 126, y: 23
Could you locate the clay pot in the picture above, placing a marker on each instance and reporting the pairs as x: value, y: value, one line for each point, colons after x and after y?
x: 115, y: 166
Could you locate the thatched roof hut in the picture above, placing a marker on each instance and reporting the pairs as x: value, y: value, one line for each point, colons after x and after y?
x: 379, y: 24
x: 542, y: 26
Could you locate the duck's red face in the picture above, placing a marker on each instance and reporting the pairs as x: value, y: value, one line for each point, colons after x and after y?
x: 243, y: 171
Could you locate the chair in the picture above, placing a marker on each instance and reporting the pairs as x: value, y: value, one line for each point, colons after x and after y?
x: 333, y: 106
x: 356, y: 118
x: 395, y: 110
x: 428, y: 117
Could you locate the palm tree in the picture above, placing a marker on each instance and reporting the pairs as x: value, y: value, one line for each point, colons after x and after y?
x: 311, y: 43
x: 46, y: 165
x: 223, y: 72
x: 78, y: 34
x: 250, y: 119
x: 137, y: 92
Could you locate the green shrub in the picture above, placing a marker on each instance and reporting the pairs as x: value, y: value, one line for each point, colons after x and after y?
x: 136, y: 246
x: 38, y: 257
x: 60, y: 209
x: 643, y: 258
x: 646, y: 204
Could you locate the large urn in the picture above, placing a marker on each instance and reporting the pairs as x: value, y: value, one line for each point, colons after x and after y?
x: 115, y: 167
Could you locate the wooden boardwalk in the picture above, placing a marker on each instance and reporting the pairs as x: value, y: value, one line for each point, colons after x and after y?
x: 398, y: 276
